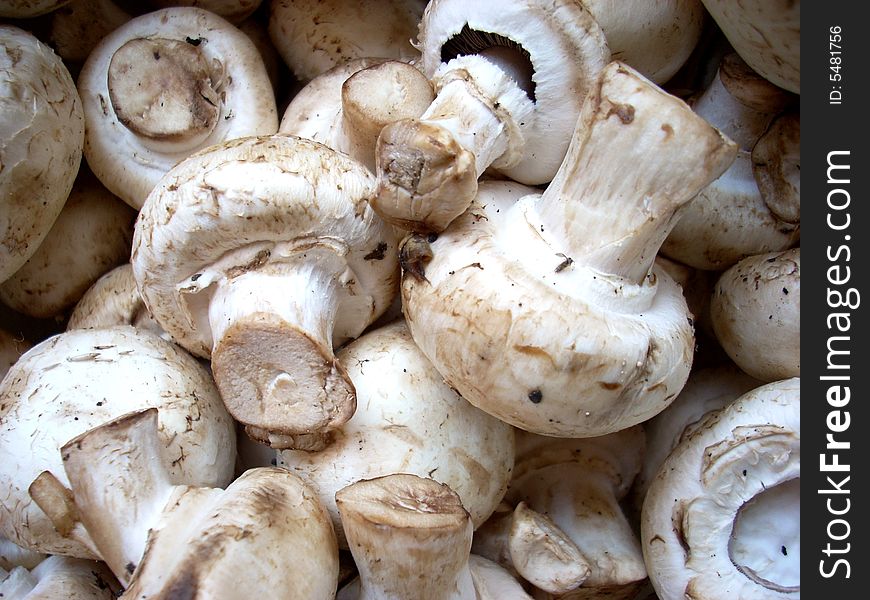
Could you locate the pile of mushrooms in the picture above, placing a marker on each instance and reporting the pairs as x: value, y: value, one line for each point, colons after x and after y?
x: 402, y: 299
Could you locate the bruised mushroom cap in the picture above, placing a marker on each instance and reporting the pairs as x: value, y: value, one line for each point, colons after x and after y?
x: 721, y: 518
x: 563, y: 45
x: 164, y: 85
x: 91, y: 235
x: 756, y: 314
x: 60, y: 577
x: 22, y: 9
x: 79, y: 379
x: 314, y: 36
x: 766, y: 34
x: 42, y: 129
x: 407, y: 419
x: 234, y: 11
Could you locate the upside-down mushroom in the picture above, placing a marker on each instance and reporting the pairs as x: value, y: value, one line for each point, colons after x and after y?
x: 263, y: 254
x: 546, y: 310
x: 164, y: 85
x: 721, y: 520
x: 77, y: 380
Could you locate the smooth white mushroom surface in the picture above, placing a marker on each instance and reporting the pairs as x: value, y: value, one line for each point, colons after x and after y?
x: 60, y: 577
x: 164, y: 85
x: 721, y: 519
x: 42, y: 129
x: 79, y: 379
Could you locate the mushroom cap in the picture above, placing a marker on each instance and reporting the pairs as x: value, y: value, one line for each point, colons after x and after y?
x: 61, y: 577
x: 12, y: 555
x: 576, y: 353
x: 77, y: 27
x: 566, y: 49
x: 130, y: 165
x: 91, y: 235
x: 408, y: 420
x: 756, y: 314
x: 77, y: 380
x: 259, y: 201
x: 314, y: 36
x: 42, y: 129
x: 22, y: 9
x: 740, y: 464
x: 766, y: 34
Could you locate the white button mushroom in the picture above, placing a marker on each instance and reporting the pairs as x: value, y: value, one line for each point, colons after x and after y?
x: 77, y: 380
x: 756, y: 310
x: 263, y: 254
x: 721, y: 520
x: 60, y: 577
x: 545, y: 310
x: 266, y: 535
x: 411, y: 538
x: 42, y: 129
x: 163, y: 86
x: 408, y: 420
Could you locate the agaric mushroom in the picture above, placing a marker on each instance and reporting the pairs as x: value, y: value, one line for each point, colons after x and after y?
x: 163, y: 86
x: 77, y: 380
x: 12, y: 347
x: 265, y: 535
x: 91, y: 235
x: 721, y: 519
x: 401, y: 524
x: 114, y: 300
x: 234, y: 11
x: 766, y: 34
x: 42, y: 129
x: 697, y: 285
x: 314, y: 36
x: 579, y: 484
x: 59, y: 577
x: 12, y: 555
x: 546, y: 310
x: 347, y: 106
x: 509, y: 84
x: 706, y: 391
x: 22, y: 9
x: 263, y: 254
x: 408, y: 420
x: 756, y: 314
x: 78, y: 27
x: 754, y: 207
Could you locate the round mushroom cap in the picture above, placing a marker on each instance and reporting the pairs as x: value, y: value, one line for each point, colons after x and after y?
x: 165, y: 85
x: 721, y: 518
x: 408, y: 420
x: 22, y: 9
x: 42, y: 130
x: 755, y: 312
x: 314, y: 36
x: 77, y: 380
x: 562, y: 42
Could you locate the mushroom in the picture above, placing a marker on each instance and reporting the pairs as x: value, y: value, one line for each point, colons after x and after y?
x: 12, y: 555
x: 22, y: 9
x: 706, y: 391
x: 754, y: 207
x: 755, y: 311
x: 403, y: 524
x: 163, y: 86
x: 546, y: 310
x: 314, y: 36
x: 234, y: 11
x: 509, y: 85
x: 114, y: 300
x: 41, y: 134
x: 77, y: 380
x: 77, y: 27
x: 766, y: 34
x: 59, y: 577
x: 722, y: 517
x: 265, y: 534
x: 347, y: 106
x: 91, y: 235
x: 408, y: 420
x: 263, y: 254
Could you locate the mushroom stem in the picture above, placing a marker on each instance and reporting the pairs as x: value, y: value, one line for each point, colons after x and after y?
x: 636, y: 157
x: 401, y: 525
x: 273, y: 357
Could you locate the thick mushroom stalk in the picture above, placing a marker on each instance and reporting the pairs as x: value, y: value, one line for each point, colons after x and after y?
x: 501, y: 79
x: 264, y: 534
x: 564, y: 327
x: 263, y: 255
x: 402, y: 524
x: 721, y: 519
x: 164, y: 85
